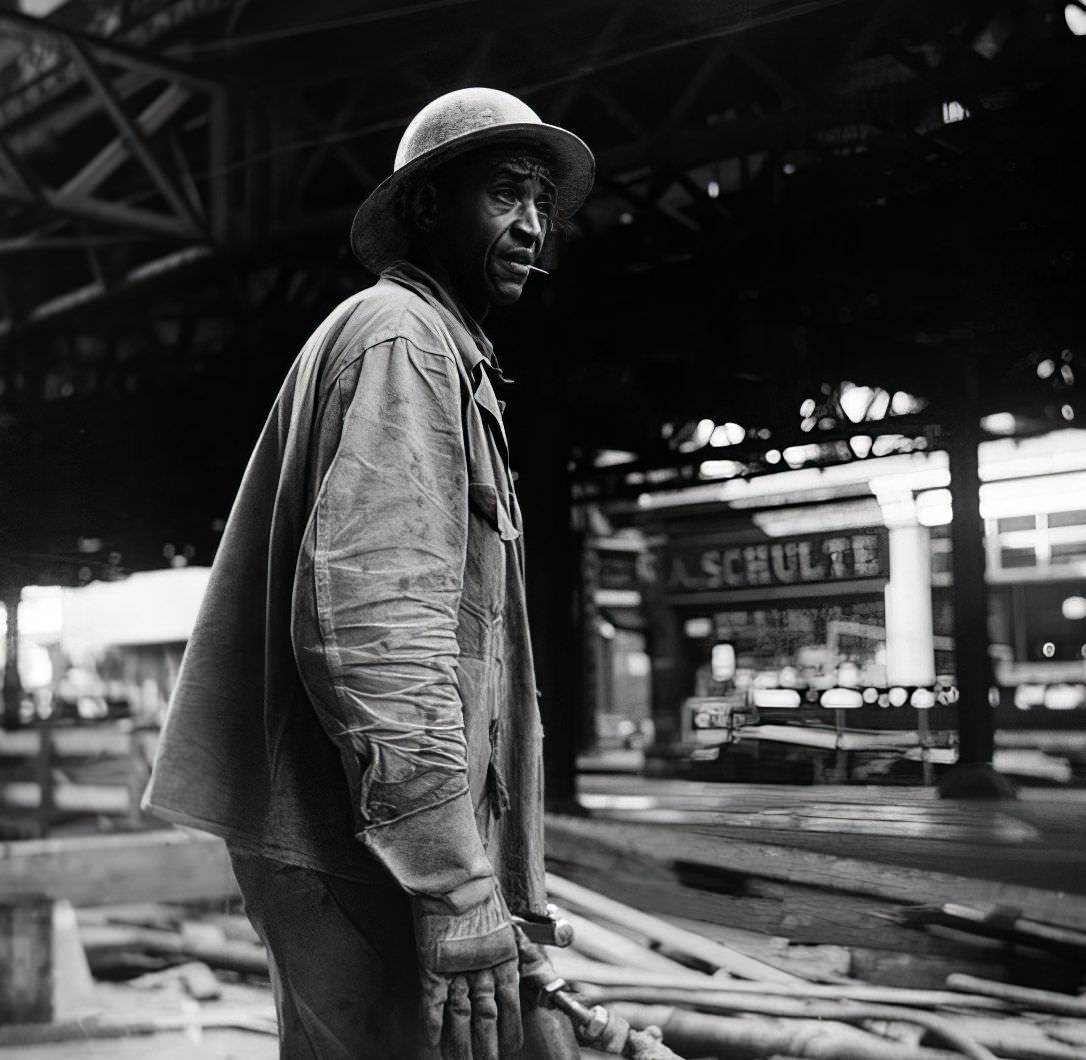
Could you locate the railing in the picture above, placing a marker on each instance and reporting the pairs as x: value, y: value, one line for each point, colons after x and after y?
x: 35, y: 805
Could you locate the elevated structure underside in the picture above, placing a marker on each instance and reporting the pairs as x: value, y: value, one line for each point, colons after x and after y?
x: 789, y: 195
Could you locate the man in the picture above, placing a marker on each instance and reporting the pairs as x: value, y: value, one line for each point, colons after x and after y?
x: 356, y: 712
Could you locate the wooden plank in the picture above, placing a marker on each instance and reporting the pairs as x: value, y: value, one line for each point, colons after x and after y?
x: 1015, y: 865
x: 104, y: 939
x: 649, y: 843
x: 67, y: 798
x: 601, y: 943
x: 660, y: 933
x: 881, y: 954
x: 818, y: 963
x: 800, y: 918
x: 170, y: 866
x: 68, y: 741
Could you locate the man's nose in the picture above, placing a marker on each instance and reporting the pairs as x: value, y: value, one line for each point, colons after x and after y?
x: 529, y: 223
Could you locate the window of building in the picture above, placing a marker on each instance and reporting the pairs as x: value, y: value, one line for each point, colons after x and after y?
x: 1047, y: 540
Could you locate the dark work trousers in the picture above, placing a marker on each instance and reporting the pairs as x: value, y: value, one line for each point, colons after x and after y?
x: 342, y: 960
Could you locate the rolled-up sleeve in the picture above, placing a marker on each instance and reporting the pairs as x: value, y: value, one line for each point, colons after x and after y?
x: 377, y: 593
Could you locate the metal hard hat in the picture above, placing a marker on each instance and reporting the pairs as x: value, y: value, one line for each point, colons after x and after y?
x: 450, y: 125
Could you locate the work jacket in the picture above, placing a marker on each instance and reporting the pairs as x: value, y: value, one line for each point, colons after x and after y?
x: 358, y: 692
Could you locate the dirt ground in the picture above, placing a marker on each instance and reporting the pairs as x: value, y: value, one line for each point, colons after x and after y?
x: 214, y: 1045
x: 166, y: 1005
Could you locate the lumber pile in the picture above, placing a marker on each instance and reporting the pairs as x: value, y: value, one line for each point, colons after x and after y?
x: 772, y: 958
x: 187, y: 965
x: 887, y: 924
x: 140, y: 970
x: 781, y: 951
x: 713, y: 1000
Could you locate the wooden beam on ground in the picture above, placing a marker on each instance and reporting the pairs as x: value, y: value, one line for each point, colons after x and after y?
x: 168, y: 866
x: 774, y: 911
x: 571, y: 839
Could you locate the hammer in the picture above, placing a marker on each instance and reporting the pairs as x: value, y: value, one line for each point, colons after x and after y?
x: 594, y: 1026
x: 549, y: 930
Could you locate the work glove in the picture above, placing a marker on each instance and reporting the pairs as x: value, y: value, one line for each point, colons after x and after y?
x: 548, y: 1033
x: 535, y: 967
x: 470, y: 983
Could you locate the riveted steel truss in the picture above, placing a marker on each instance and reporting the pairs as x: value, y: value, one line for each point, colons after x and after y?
x: 210, y: 125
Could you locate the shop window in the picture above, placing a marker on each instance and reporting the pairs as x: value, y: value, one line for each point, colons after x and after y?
x: 1067, y: 553
x: 805, y: 644
x: 1052, y: 631
x: 942, y: 557
x: 1017, y: 557
x: 1075, y: 518
x: 1016, y: 522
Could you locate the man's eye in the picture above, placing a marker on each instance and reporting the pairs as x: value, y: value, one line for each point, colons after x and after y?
x: 545, y: 207
x: 507, y: 193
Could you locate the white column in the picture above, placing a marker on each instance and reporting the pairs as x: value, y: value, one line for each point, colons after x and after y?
x: 910, y: 648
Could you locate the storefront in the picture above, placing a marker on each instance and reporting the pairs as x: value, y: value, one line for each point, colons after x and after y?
x: 840, y: 583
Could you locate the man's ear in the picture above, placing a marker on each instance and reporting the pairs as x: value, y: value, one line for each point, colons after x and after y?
x: 422, y: 207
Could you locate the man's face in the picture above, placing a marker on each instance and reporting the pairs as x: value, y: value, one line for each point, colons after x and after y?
x: 494, y: 210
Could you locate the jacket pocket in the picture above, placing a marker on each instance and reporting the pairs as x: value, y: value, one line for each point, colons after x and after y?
x: 483, y: 598
x: 487, y: 502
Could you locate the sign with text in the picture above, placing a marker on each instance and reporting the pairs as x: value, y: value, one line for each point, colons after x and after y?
x: 814, y: 558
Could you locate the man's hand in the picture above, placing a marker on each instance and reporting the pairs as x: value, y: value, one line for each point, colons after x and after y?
x: 470, y: 982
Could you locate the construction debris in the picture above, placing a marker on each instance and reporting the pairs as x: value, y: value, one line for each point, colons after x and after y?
x: 720, y: 1003
x: 635, y: 983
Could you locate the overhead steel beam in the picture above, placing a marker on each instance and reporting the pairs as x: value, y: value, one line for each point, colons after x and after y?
x: 24, y: 181
x: 684, y: 149
x: 42, y: 242
x: 185, y: 174
x: 220, y: 148
x: 646, y: 54
x: 31, y: 192
x: 122, y: 55
x: 73, y: 199
x: 650, y: 203
x: 116, y: 153
x: 937, y: 78
x: 330, y: 145
x: 90, y: 209
x: 768, y: 75
x: 133, y: 136
x: 619, y: 16
x: 614, y: 109
x: 697, y: 84
x: 96, y: 291
x: 869, y: 32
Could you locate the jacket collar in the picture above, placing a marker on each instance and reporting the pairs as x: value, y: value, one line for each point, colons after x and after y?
x: 409, y: 275
x: 475, y: 349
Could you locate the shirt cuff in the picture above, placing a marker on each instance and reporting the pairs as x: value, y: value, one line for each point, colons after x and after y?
x: 435, y: 852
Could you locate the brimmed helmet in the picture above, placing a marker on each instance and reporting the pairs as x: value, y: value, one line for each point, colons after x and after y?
x: 461, y: 121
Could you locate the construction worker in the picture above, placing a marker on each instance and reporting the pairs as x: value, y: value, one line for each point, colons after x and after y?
x: 356, y: 711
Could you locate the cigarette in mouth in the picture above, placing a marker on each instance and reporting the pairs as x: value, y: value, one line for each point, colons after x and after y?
x: 535, y: 268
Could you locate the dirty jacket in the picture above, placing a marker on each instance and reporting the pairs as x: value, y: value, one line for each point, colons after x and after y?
x: 358, y: 695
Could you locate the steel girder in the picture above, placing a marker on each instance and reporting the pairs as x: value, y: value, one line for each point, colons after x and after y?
x: 228, y: 136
